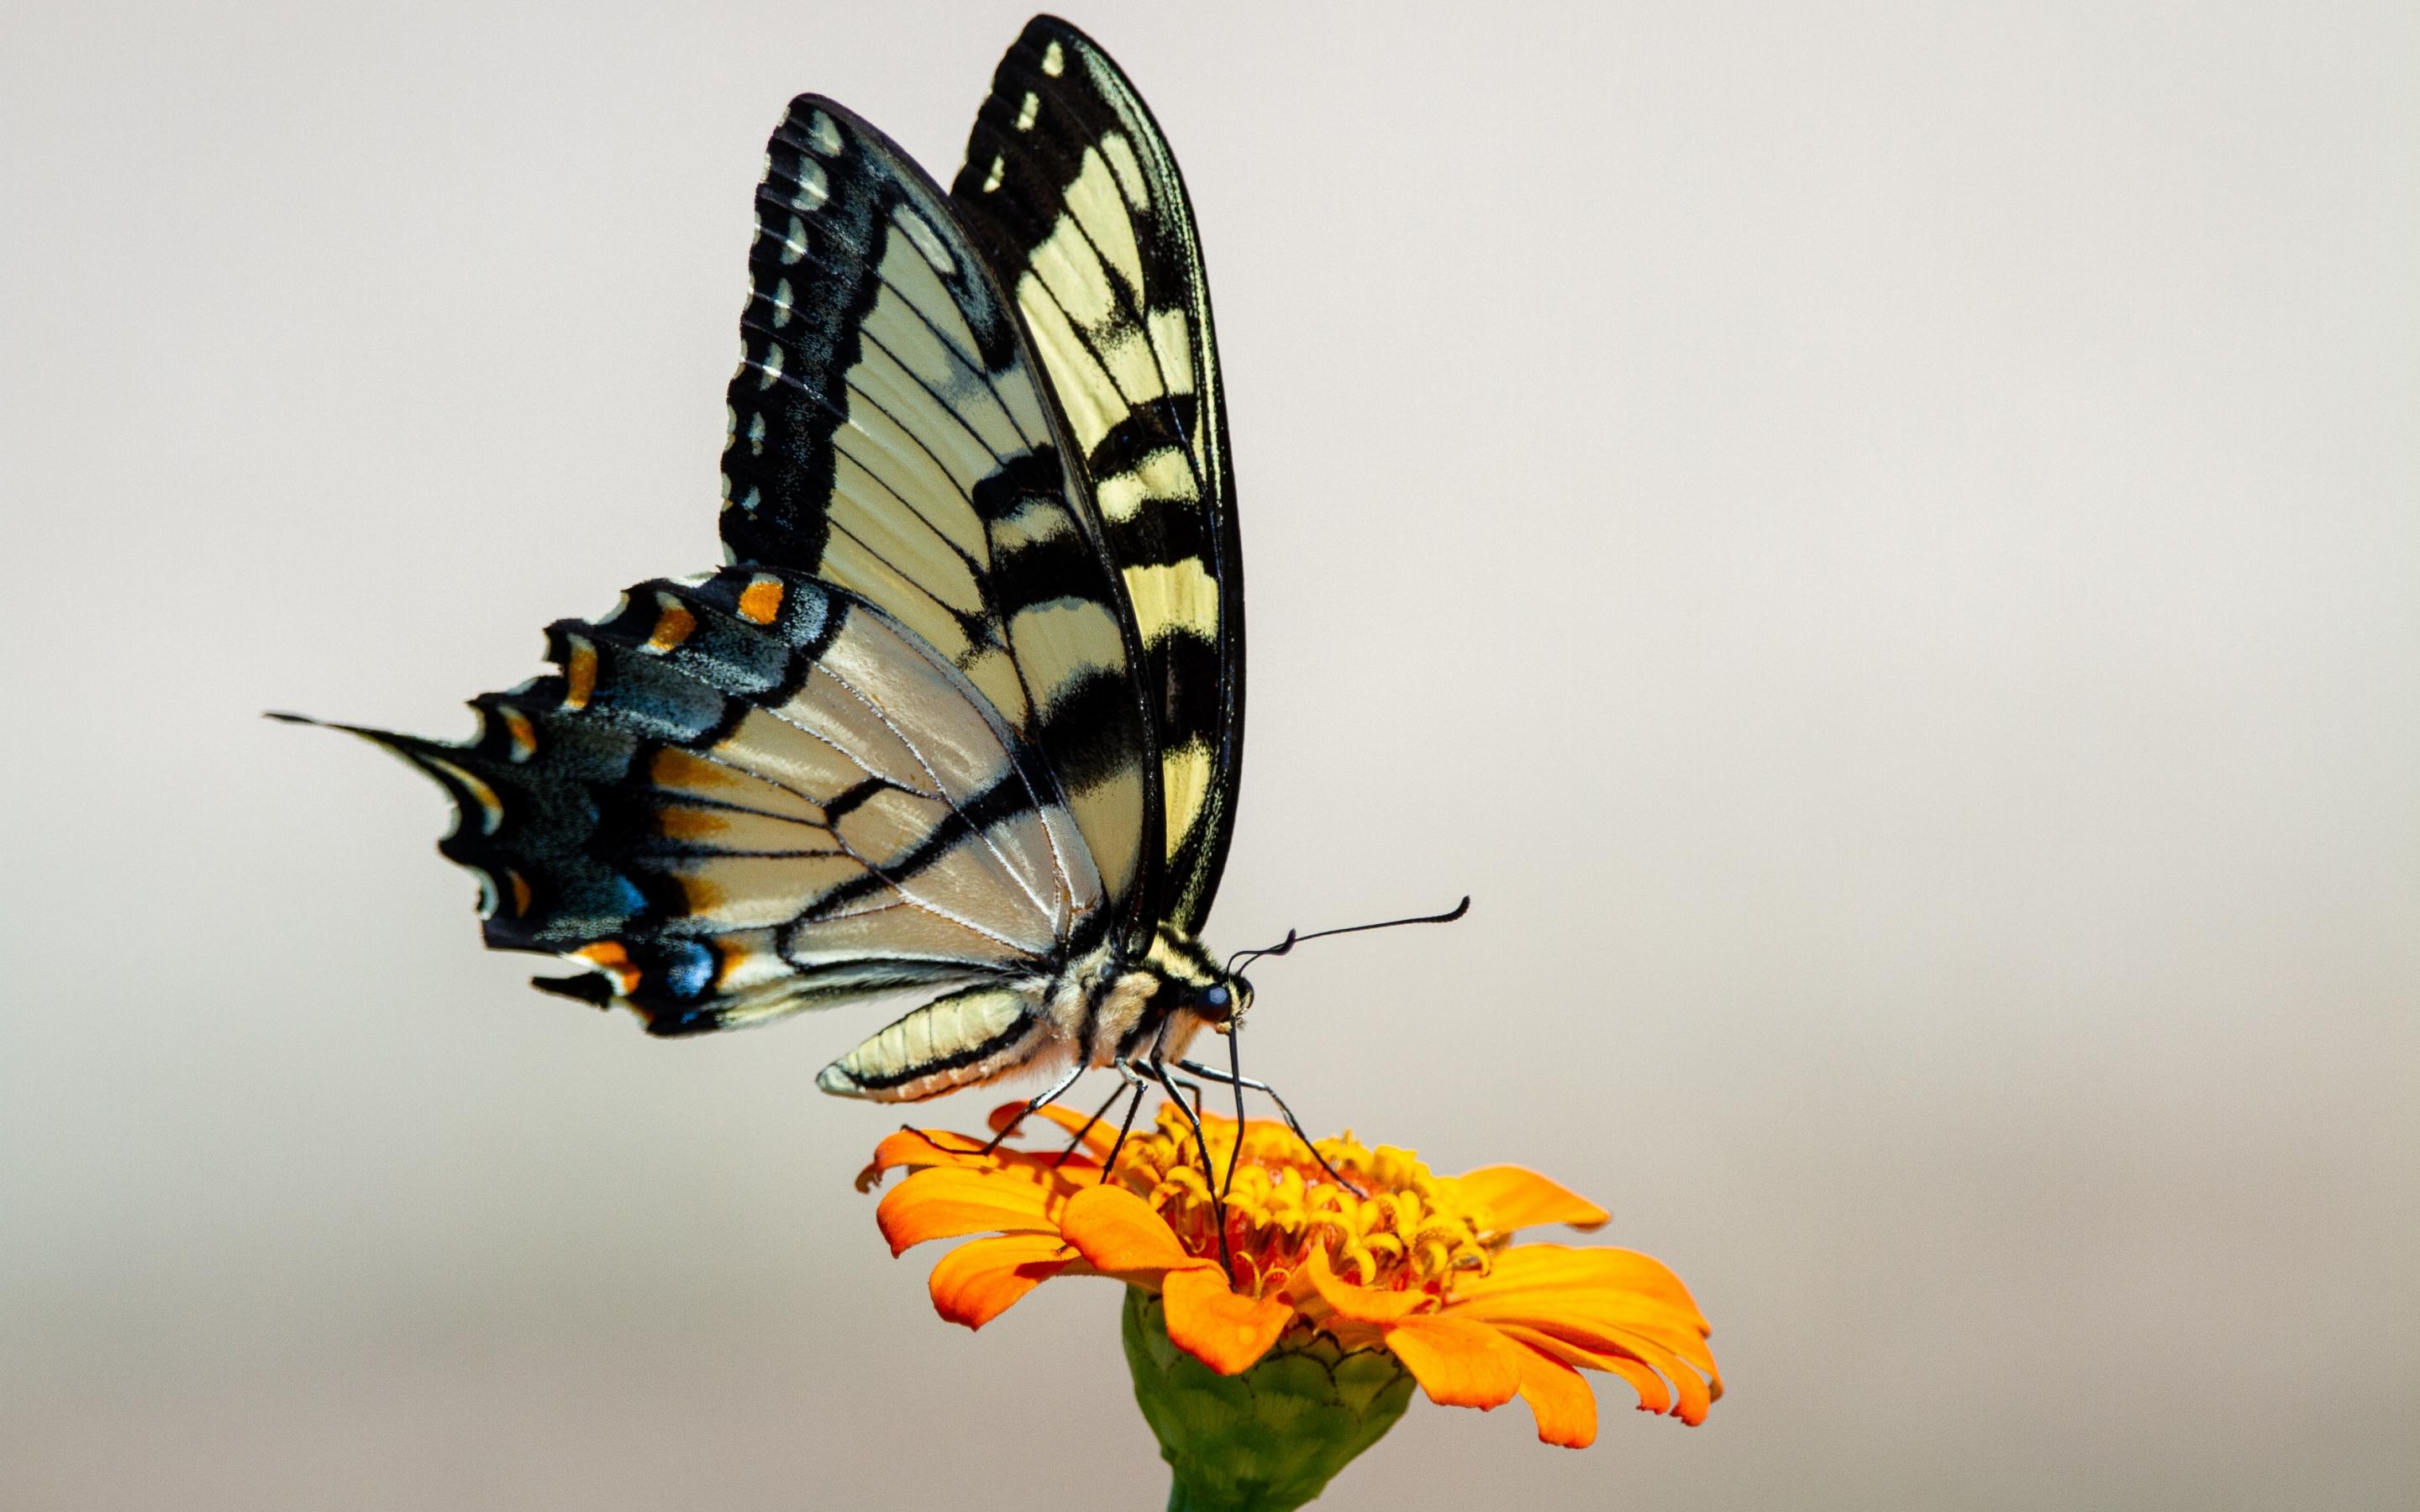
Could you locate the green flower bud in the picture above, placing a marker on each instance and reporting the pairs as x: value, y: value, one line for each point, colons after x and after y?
x: 1270, y: 1439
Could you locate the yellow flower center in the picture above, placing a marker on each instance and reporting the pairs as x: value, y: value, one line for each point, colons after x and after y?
x: 1405, y: 1230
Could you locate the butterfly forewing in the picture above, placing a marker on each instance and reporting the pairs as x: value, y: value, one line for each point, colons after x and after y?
x: 1070, y: 187
x: 891, y: 435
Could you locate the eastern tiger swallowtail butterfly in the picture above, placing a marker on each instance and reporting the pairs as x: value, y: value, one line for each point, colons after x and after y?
x: 961, y: 722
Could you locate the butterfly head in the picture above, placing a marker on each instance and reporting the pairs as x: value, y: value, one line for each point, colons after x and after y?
x: 1223, y: 1001
x: 1192, y: 982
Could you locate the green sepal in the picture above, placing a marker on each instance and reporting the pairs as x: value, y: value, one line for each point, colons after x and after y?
x: 1270, y: 1439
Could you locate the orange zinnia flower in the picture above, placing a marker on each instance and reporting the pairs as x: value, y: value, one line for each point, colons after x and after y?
x: 1419, y: 1265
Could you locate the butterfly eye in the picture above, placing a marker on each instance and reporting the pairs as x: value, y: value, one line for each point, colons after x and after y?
x: 1217, y: 1002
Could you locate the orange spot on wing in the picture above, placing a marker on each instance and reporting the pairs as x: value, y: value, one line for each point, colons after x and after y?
x: 761, y: 600
x: 608, y: 957
x: 519, y: 731
x: 521, y: 891
x: 677, y: 768
x: 689, y: 823
x: 701, y: 895
x: 579, y: 674
x: 730, y: 957
x: 673, y: 626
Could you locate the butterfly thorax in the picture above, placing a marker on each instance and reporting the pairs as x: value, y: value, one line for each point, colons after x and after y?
x: 1118, y: 1008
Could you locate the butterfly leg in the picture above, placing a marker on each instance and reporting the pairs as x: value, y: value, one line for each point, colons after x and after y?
x: 1127, y: 1128
x: 1236, y: 1069
x: 1157, y: 1070
x: 1078, y: 1143
x: 1044, y: 1101
x: 1193, y: 1087
x: 1241, y: 1083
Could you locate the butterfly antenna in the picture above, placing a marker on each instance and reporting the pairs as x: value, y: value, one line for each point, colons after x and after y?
x: 1295, y: 938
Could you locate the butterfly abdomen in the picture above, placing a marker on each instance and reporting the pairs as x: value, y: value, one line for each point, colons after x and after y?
x: 1098, y: 1010
x: 978, y: 1035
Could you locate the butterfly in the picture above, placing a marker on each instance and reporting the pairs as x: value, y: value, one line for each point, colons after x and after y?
x: 960, y: 724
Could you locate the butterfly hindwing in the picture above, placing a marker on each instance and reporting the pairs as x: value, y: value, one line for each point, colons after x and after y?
x: 891, y: 435
x: 755, y: 793
x: 1071, y: 190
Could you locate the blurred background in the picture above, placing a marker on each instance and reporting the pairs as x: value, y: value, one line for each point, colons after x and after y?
x: 1879, y: 542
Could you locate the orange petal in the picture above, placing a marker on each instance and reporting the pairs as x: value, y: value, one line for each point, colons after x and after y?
x: 1661, y: 1346
x: 1117, y: 1231
x: 1695, y: 1391
x: 1599, y: 1299
x: 1654, y: 1395
x: 1591, y: 1344
x: 919, y: 1148
x: 1097, y: 1139
x: 1646, y: 1364
x: 1458, y: 1364
x: 1594, y: 1322
x: 1560, y: 1266
x: 1515, y: 1197
x: 976, y: 1283
x: 1691, y: 1388
x: 1223, y: 1331
x: 1357, y: 1304
x: 947, y: 1204
x: 1559, y: 1398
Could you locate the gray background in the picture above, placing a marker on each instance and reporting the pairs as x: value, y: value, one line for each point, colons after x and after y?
x: 1879, y: 543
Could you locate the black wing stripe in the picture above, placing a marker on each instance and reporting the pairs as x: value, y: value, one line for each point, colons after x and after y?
x: 1062, y: 275
x: 1010, y: 795
x: 1069, y: 185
